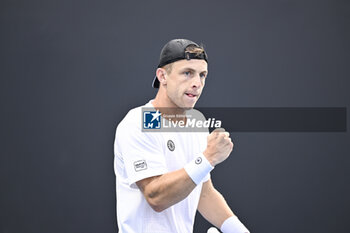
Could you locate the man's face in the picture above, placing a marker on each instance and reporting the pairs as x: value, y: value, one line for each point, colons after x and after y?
x: 186, y: 81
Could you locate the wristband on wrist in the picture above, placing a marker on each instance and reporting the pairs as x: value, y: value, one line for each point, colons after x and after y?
x: 233, y: 225
x: 198, y: 168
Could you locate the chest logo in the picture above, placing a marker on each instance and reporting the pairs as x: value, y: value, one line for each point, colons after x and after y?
x: 171, y: 145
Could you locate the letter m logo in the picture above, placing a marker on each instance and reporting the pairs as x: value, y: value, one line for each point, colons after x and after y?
x: 151, y: 120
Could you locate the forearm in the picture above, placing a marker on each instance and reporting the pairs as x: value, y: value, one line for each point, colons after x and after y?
x: 166, y: 190
x: 213, y: 206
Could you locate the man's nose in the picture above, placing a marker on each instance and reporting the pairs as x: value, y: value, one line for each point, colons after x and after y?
x: 196, y: 81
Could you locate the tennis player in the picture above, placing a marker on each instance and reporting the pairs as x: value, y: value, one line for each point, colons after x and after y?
x: 163, y: 178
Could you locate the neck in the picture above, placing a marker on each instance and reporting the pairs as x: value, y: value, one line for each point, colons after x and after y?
x: 167, y: 107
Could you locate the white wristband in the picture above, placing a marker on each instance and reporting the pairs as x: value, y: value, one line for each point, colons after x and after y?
x: 233, y: 225
x: 198, y: 168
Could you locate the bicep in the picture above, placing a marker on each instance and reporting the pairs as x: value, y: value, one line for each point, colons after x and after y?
x: 165, y: 190
x: 145, y: 183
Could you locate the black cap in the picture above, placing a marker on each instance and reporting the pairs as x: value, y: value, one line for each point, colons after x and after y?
x: 173, y: 51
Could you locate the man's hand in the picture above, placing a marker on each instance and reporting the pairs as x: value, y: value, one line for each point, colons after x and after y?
x: 219, y: 146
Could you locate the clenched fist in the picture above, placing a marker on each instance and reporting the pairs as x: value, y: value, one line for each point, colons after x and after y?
x: 219, y: 146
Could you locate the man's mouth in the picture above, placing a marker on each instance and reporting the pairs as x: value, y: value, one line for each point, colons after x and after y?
x: 192, y: 95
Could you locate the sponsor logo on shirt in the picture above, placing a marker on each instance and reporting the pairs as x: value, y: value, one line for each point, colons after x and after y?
x: 140, y: 165
x: 171, y: 145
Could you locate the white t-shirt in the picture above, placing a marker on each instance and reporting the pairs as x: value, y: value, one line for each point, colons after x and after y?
x: 139, y: 155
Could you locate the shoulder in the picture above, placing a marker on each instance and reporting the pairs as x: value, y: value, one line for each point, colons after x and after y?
x: 130, y: 128
x: 131, y: 122
x: 133, y: 119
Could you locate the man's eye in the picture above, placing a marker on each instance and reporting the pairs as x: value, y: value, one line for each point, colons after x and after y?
x: 187, y: 73
x: 203, y: 75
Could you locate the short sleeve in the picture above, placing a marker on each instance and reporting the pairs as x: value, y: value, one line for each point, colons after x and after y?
x: 140, y: 152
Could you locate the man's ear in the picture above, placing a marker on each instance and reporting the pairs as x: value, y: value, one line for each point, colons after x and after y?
x: 161, y: 75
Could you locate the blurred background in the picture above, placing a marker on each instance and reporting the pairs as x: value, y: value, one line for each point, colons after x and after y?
x: 71, y: 70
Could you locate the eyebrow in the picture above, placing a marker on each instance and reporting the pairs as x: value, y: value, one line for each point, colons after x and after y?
x: 193, y: 70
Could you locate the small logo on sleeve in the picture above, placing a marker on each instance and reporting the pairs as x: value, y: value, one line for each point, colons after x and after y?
x: 140, y: 165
